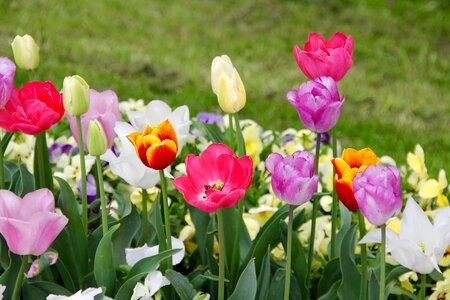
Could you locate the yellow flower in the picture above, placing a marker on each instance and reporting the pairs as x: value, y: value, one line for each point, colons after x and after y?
x: 416, y: 163
x: 442, y: 289
x: 405, y: 281
x: 445, y: 260
x: 253, y: 142
x: 187, y: 235
x: 252, y: 225
x: 136, y: 197
x: 433, y: 188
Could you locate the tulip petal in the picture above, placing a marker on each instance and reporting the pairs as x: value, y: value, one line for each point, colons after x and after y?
x: 160, y: 156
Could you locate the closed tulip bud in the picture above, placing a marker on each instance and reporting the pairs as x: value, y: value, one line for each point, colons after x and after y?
x: 76, y: 95
x: 227, y: 85
x: 97, y: 143
x: 26, y: 52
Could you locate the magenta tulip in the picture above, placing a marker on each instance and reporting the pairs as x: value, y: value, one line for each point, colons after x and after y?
x: 215, y: 179
x: 29, y: 225
x: 293, y: 178
x: 103, y: 107
x: 7, y: 72
x: 378, y: 193
x: 318, y: 103
x: 321, y: 57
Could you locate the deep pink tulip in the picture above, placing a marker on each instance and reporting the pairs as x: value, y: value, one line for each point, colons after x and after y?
x: 215, y: 179
x: 318, y: 103
x: 29, y: 225
x: 321, y: 57
x: 104, y: 107
x: 7, y: 72
x: 378, y: 193
x: 293, y: 178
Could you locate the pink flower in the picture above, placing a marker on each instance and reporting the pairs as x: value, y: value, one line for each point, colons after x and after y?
x: 33, y: 108
x: 321, y: 57
x: 318, y: 103
x: 378, y: 193
x: 103, y: 107
x: 7, y: 71
x: 29, y: 225
x: 293, y: 178
x: 215, y: 179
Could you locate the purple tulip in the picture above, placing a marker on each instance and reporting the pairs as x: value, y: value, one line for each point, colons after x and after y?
x: 7, y: 72
x: 293, y: 178
x: 209, y: 117
x: 378, y: 193
x: 318, y: 103
x: 103, y: 107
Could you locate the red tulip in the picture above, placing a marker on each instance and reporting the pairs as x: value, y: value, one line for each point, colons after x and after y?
x: 33, y: 108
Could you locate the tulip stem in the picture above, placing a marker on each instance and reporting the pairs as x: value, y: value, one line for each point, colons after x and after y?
x: 423, y: 288
x: 314, y: 214
x: 382, y: 261
x: 20, y: 278
x: 221, y: 255
x: 165, y: 202
x: 2, y: 171
x: 362, y: 232
x: 240, y: 138
x: 335, y: 207
x: 102, y: 195
x: 287, y: 280
x: 84, y: 205
x: 144, y: 217
x: 230, y: 131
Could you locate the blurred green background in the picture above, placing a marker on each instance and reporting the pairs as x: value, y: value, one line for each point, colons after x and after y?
x: 398, y: 91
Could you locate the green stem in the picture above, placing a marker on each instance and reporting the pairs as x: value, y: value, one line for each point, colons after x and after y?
x: 2, y: 171
x: 314, y: 214
x: 287, y: 282
x: 221, y: 255
x: 40, y: 142
x: 241, y: 151
x: 423, y: 288
x: 20, y: 278
x: 144, y: 217
x: 382, y: 262
x: 335, y: 207
x: 230, y: 131
x: 84, y: 205
x: 102, y: 195
x: 362, y: 233
x: 166, y: 213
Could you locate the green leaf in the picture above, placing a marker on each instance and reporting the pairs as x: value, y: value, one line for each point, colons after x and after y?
x: 9, y: 277
x: 232, y: 241
x: 104, y: 269
x: 201, y: 222
x: 211, y: 131
x: 276, y: 290
x: 397, y: 290
x: 25, y: 181
x: 351, y: 278
x: 42, y: 170
x: 65, y: 276
x: 264, y: 278
x: 247, y: 283
x: 50, y: 288
x: 67, y: 256
x: 346, y: 219
x: 129, y: 226
x: 181, y: 285
x: 6, y: 139
x: 331, y: 274
x: 331, y: 293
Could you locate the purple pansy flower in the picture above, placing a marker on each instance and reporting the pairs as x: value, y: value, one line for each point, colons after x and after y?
x: 209, y: 117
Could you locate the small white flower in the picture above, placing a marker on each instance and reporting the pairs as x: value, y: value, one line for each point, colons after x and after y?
x: 152, y: 283
x: 133, y: 255
x: 88, y: 294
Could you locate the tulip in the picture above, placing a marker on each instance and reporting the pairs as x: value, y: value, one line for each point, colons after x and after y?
x: 156, y: 146
x: 26, y: 52
x: 38, y: 265
x: 293, y: 178
x: 352, y: 162
x: 7, y: 71
x: 96, y: 139
x: 76, y: 95
x: 378, y: 193
x: 227, y: 85
x: 32, y: 109
x: 321, y: 57
x: 29, y: 225
x: 318, y: 103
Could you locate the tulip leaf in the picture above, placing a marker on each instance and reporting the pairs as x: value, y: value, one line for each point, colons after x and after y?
x: 392, y: 273
x: 9, y: 276
x: 331, y: 292
x: 264, y: 277
x: 104, y: 269
x: 351, y: 278
x: 65, y: 276
x: 211, y: 131
x: 5, y: 140
x: 247, y: 283
x: 397, y: 290
x: 50, y: 288
x: 346, y: 219
x: 181, y: 285
x: 201, y: 222
x: 331, y: 274
x: 276, y: 290
x: 129, y: 226
x: 232, y: 242
x: 32, y: 292
x: 42, y: 170
x: 24, y: 181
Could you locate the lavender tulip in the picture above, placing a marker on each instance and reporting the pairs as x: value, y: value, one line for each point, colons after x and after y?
x: 378, y: 193
x: 7, y: 72
x: 293, y: 178
x: 318, y: 103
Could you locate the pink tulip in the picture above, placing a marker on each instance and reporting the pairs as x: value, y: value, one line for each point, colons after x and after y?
x: 103, y: 107
x: 215, y: 179
x: 29, y: 225
x: 7, y: 71
x: 321, y: 57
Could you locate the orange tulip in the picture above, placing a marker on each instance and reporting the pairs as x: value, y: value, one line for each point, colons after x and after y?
x: 156, y: 146
x: 352, y: 162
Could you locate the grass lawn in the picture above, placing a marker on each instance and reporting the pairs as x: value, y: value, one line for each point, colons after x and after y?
x: 398, y: 91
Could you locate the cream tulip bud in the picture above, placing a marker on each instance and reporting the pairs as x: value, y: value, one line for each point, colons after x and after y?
x: 97, y: 143
x: 227, y: 85
x: 26, y: 52
x: 76, y: 95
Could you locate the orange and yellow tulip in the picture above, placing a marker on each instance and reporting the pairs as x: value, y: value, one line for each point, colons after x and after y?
x: 352, y: 162
x: 156, y: 146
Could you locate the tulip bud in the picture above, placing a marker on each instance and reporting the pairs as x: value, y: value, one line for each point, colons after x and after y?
x: 227, y: 85
x: 26, y: 52
x: 76, y: 95
x: 97, y: 143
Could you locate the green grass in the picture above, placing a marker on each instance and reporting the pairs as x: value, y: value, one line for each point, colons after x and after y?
x: 397, y: 91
